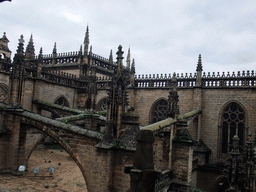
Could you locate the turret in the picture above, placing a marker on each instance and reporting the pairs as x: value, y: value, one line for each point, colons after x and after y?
x: 4, y: 50
x: 30, y: 50
x: 86, y: 41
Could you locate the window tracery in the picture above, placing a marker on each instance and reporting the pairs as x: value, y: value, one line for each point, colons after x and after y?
x: 233, y: 123
x: 159, y: 111
x: 102, y: 105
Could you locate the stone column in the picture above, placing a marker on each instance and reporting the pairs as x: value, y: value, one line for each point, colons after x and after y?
x: 10, y: 144
x: 143, y: 175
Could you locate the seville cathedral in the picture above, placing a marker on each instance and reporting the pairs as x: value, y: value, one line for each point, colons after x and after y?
x: 125, y: 130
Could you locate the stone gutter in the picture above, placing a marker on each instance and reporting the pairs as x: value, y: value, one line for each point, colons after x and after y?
x: 68, y: 109
x: 190, y: 114
x: 161, y: 125
x: 63, y: 108
x: 80, y: 117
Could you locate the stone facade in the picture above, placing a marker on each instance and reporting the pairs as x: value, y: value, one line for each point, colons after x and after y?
x: 86, y: 81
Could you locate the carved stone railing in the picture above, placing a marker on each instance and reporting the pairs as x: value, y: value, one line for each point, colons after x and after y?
x: 70, y: 57
x: 104, y: 84
x: 164, y: 81
x: 63, y: 79
x: 100, y: 58
x: 214, y: 80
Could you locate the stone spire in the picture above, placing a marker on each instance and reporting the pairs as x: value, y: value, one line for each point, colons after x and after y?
x: 133, y: 67
x: 128, y: 60
x: 111, y: 57
x: 30, y: 50
x: 199, y: 64
x: 19, y: 56
x: 81, y: 49
x: 54, y: 51
x: 86, y: 41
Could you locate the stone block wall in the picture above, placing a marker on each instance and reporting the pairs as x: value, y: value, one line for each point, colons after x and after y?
x: 50, y: 92
x: 182, y: 154
x: 9, y: 144
x: 143, y: 101
x: 121, y: 181
x: 213, y: 102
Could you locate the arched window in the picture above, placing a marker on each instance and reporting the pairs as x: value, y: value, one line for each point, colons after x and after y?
x: 62, y: 101
x: 232, y: 123
x: 159, y: 111
x: 102, y: 105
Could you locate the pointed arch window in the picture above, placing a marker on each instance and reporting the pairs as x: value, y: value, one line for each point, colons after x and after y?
x: 233, y: 123
x: 159, y: 111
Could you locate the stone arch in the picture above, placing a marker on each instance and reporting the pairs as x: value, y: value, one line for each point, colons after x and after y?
x: 158, y: 110
x: 102, y: 104
x: 49, y: 132
x: 61, y: 100
x: 232, y: 121
x: 4, y: 92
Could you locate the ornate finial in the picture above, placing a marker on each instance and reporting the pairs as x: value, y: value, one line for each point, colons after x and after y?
x: 133, y: 67
x: 54, y: 51
x: 21, y: 40
x: 199, y: 64
x: 128, y: 60
x: 120, y: 53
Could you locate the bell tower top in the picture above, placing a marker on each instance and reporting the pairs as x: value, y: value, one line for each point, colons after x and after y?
x: 4, y: 50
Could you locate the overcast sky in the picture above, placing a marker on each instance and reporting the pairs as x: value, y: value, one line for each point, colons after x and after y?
x: 164, y: 36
